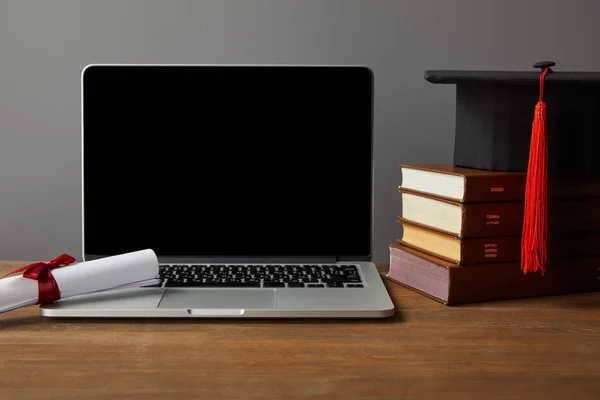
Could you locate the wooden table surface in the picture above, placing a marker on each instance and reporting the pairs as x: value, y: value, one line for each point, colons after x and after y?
x: 543, y: 348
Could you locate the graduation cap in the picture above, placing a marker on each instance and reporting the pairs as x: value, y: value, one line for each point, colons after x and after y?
x: 544, y: 122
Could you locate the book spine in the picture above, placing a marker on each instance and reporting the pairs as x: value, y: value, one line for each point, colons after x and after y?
x: 490, y: 188
x: 506, y: 219
x: 491, y: 219
x: 508, y: 248
x: 490, y: 250
x: 452, y: 284
x: 504, y: 282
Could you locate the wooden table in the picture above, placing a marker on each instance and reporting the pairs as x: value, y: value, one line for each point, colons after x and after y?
x: 540, y: 348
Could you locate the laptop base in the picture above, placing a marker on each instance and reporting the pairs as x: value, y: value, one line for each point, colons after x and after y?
x: 370, y: 301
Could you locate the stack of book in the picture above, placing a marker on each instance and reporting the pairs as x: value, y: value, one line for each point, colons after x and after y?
x: 461, y: 236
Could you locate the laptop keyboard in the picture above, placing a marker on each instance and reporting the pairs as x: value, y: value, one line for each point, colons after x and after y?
x: 256, y: 276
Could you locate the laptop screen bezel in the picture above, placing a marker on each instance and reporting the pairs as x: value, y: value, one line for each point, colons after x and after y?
x: 235, y: 259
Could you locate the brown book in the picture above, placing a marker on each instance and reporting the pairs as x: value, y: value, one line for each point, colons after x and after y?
x: 470, y: 220
x: 453, y: 284
x: 494, y: 249
x: 469, y: 185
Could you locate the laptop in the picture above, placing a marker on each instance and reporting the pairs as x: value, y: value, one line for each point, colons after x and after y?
x: 253, y: 184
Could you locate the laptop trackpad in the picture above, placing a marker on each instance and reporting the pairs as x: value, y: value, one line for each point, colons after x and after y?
x: 243, y: 299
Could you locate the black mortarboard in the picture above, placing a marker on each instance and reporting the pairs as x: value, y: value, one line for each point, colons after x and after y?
x: 494, y: 113
x: 546, y: 123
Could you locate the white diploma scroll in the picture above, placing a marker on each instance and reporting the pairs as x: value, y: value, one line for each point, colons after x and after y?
x: 136, y: 269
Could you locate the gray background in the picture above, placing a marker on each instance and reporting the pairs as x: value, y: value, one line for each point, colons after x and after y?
x: 45, y: 44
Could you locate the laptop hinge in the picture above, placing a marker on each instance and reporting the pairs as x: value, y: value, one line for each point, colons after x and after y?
x: 249, y: 260
x: 240, y: 259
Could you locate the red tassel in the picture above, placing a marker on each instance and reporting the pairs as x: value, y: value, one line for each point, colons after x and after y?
x: 534, y: 239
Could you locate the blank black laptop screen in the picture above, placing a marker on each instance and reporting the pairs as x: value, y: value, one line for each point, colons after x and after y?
x: 227, y: 160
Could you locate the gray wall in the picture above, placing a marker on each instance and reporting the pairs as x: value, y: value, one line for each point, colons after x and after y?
x: 45, y: 44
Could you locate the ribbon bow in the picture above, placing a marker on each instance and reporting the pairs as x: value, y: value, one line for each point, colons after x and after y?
x: 48, y: 290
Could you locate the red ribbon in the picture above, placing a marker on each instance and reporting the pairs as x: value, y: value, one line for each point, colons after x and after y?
x: 47, y: 288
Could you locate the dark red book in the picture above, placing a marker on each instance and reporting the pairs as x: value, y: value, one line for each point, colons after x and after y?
x: 452, y: 284
x: 493, y: 249
x: 470, y: 185
x: 470, y: 220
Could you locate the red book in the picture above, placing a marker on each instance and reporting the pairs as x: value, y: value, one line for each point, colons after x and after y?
x: 493, y: 249
x: 470, y: 185
x: 453, y: 284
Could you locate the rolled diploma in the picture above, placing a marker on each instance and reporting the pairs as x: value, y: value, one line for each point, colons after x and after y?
x: 124, y: 270
x: 17, y: 292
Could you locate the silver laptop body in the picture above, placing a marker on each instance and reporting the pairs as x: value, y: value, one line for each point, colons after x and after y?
x: 252, y: 183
